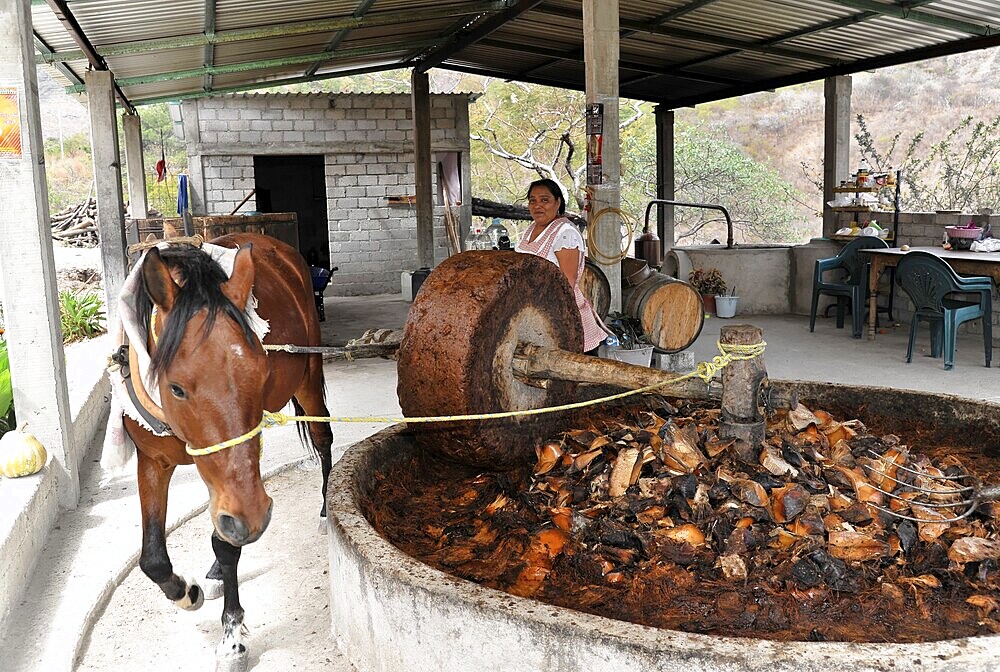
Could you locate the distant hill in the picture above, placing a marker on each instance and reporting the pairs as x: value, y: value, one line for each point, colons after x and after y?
x: 785, y: 128
x: 59, y: 109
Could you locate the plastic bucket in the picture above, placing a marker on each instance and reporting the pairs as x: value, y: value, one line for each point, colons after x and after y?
x: 638, y: 356
x: 725, y: 306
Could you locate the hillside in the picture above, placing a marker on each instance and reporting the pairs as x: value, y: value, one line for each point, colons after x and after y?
x: 785, y: 128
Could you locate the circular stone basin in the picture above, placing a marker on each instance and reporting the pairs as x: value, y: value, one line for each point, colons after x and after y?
x: 390, y: 612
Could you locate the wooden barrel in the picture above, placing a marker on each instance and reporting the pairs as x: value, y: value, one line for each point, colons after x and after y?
x: 595, y: 286
x: 670, y: 310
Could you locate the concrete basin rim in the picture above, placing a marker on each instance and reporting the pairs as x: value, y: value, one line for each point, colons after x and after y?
x: 381, y: 557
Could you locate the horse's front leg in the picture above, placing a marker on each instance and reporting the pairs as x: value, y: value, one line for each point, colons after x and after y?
x: 153, y: 479
x: 231, y: 654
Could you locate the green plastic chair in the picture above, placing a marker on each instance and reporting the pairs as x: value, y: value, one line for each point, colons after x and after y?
x: 854, y: 287
x: 932, y: 285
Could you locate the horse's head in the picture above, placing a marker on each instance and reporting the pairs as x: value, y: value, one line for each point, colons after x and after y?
x: 211, y: 372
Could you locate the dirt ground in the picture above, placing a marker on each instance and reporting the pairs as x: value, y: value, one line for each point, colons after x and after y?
x: 77, y: 268
x: 284, y: 591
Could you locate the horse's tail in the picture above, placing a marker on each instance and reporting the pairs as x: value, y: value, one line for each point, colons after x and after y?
x: 302, y: 427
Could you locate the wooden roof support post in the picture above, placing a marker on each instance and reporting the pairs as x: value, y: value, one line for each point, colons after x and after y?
x: 665, y: 189
x: 107, y: 185
x: 836, y: 143
x: 421, y: 97
x: 600, y: 53
x: 135, y: 165
x: 30, y: 299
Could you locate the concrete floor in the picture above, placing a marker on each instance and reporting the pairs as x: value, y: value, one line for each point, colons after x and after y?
x: 94, y: 547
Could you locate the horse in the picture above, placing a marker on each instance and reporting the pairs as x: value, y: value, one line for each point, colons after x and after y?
x: 215, y: 381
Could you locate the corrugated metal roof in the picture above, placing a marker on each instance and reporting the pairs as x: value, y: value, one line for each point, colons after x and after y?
x: 675, y: 52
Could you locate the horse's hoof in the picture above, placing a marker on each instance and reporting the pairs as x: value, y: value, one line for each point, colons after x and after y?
x: 193, y: 597
x: 323, y: 525
x: 232, y: 655
x: 213, y: 588
x: 234, y: 663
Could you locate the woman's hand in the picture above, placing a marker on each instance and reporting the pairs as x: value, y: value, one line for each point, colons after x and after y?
x: 569, y: 263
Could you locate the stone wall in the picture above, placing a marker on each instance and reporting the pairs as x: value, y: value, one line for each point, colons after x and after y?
x: 367, y: 144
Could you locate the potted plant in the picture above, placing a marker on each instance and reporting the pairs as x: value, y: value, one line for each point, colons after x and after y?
x: 709, y: 283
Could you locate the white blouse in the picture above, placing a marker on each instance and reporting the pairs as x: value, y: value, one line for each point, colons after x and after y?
x: 568, y: 238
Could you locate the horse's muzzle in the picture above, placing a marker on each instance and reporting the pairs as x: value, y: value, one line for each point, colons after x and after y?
x: 235, y: 531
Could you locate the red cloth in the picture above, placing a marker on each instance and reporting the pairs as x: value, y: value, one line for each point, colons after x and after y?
x: 161, y: 170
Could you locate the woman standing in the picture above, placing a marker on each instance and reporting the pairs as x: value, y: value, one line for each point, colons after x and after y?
x: 555, y: 238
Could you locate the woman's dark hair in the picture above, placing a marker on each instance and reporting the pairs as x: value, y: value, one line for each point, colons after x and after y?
x: 553, y: 188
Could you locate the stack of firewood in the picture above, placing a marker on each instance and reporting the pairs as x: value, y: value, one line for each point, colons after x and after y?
x: 76, y: 225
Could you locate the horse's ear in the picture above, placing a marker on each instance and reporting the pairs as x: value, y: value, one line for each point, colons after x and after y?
x: 237, y: 287
x: 156, y: 276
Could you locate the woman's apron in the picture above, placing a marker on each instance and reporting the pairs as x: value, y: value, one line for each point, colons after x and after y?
x: 594, y: 330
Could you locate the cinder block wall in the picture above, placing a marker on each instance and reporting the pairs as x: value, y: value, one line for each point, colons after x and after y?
x: 367, y: 144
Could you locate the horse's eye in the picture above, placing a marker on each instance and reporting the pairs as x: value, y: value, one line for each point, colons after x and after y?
x: 177, y: 391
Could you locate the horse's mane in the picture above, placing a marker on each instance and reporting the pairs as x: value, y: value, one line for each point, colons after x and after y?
x: 200, y: 280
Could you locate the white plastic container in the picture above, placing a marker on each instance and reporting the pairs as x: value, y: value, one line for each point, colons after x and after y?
x: 725, y: 306
x: 639, y: 356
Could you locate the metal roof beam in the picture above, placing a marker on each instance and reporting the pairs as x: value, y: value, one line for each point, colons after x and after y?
x: 943, y: 49
x: 258, y: 86
x: 574, y: 55
x: 278, y: 30
x: 209, y: 48
x: 491, y: 24
x: 791, y: 35
x: 69, y: 22
x: 513, y: 76
x: 41, y: 46
x: 656, y: 21
x: 908, y: 13
x: 265, y: 64
x: 705, y: 38
x: 679, y: 11
x: 335, y: 41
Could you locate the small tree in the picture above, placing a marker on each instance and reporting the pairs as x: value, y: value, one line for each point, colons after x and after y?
x: 959, y: 172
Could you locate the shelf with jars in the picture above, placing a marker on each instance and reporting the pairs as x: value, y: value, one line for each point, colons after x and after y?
x: 870, y: 203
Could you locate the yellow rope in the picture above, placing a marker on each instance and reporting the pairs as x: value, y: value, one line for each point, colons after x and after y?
x: 705, y: 370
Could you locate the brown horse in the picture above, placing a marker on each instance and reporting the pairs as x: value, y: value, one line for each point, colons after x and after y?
x: 215, y: 381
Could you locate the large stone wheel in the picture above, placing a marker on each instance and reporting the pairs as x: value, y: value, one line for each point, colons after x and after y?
x: 463, y: 327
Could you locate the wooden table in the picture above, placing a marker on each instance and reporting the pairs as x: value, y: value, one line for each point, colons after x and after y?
x: 962, y: 261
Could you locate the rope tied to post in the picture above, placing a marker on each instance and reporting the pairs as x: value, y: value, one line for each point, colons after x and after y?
x: 705, y: 370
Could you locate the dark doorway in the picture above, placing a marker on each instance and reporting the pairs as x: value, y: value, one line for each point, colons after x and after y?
x: 297, y: 183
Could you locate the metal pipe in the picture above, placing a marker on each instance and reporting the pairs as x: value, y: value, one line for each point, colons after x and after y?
x: 255, y: 86
x: 250, y: 66
x: 706, y: 206
x: 65, y: 16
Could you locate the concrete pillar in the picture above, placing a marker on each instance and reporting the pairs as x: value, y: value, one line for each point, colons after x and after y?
x: 836, y: 143
x: 196, y: 174
x: 665, y: 175
x: 420, y: 92
x: 30, y: 299
x: 600, y: 51
x: 108, y: 185
x: 135, y: 165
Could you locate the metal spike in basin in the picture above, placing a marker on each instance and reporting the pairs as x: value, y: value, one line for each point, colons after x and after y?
x: 390, y: 612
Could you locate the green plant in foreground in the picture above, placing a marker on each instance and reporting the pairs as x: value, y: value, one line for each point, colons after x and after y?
x: 7, y: 421
x: 82, y: 315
